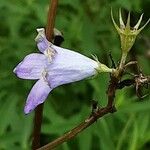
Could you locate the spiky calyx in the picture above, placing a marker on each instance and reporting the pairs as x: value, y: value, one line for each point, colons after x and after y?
x: 126, y: 32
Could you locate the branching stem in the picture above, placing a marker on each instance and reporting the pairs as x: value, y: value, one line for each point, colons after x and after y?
x: 75, y: 131
x: 110, y: 108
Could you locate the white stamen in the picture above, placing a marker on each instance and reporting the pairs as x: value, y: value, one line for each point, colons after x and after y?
x: 44, y: 76
x: 49, y: 53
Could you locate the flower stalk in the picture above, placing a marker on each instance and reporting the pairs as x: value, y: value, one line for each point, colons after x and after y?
x: 123, y: 60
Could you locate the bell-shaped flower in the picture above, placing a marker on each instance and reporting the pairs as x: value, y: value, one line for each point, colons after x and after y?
x: 126, y: 32
x: 53, y: 67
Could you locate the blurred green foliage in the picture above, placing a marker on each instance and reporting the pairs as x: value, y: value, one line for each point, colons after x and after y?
x: 88, y: 29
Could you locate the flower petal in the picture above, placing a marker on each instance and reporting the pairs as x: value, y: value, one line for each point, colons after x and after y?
x: 42, y: 42
x: 31, y: 67
x: 37, y: 95
x: 69, y: 66
x: 43, y: 45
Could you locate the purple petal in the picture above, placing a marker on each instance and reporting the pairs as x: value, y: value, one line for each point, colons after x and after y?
x: 31, y: 67
x: 43, y: 45
x: 69, y: 66
x: 42, y: 42
x: 37, y: 95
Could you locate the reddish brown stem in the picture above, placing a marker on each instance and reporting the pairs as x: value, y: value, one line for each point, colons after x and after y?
x: 39, y: 110
x: 51, y: 19
x: 72, y: 133
x: 37, y: 126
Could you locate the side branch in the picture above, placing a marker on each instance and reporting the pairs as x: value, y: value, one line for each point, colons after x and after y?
x: 75, y: 131
x: 100, y: 112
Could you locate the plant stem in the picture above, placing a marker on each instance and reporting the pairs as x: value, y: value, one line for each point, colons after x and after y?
x: 51, y: 19
x: 123, y: 60
x: 39, y: 110
x: 37, y: 126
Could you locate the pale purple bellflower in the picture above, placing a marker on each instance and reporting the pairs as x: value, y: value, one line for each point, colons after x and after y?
x: 53, y: 67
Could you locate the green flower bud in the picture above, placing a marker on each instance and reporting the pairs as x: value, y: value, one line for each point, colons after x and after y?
x: 126, y: 32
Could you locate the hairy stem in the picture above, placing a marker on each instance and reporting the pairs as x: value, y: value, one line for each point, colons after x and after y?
x: 39, y: 110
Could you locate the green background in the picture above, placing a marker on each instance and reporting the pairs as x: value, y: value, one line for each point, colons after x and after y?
x: 88, y: 29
